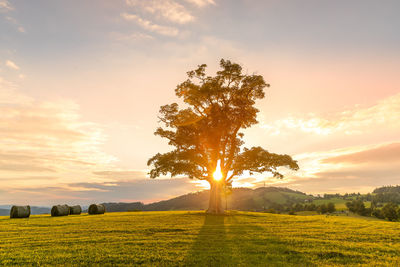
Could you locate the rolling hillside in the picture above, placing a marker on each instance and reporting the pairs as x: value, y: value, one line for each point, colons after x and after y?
x: 240, y: 199
x: 194, y: 238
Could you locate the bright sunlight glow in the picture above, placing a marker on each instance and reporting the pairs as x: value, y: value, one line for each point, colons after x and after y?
x: 218, y: 174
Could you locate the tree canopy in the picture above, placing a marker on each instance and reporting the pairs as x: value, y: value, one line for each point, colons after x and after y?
x: 208, y: 128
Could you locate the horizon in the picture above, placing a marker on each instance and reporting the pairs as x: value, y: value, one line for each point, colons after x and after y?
x: 81, y: 85
x: 2, y: 206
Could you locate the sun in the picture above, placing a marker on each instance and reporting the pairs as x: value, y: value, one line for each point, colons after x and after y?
x: 218, y: 173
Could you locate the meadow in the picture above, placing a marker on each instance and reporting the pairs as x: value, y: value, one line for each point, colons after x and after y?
x: 194, y: 238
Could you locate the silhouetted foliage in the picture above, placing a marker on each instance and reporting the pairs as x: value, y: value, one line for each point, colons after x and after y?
x: 357, y: 206
x: 310, y: 207
x: 322, y: 209
x: 378, y: 214
x: 390, y: 212
x: 386, y: 197
x: 298, y: 207
x: 208, y: 129
x: 330, y: 207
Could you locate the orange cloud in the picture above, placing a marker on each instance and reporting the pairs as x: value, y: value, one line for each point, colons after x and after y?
x: 349, y: 122
x: 41, y: 139
x: 201, y: 3
x: 12, y: 65
x: 389, y: 153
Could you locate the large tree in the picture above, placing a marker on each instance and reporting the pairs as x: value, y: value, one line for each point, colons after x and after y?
x: 207, y: 131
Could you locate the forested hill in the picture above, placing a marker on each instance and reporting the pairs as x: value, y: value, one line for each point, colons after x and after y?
x: 387, y: 189
x: 240, y: 199
x: 386, y: 194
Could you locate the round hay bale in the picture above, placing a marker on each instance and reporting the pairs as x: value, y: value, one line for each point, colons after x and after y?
x: 60, y: 210
x: 20, y: 212
x: 97, y: 209
x: 75, y: 210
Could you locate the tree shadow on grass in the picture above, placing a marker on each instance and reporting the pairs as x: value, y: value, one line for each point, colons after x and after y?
x: 256, y: 246
x: 211, y: 247
x: 241, y: 240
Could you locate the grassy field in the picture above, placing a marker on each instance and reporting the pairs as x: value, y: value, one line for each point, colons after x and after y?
x: 193, y: 238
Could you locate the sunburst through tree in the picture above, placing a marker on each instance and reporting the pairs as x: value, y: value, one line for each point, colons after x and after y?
x: 206, y: 133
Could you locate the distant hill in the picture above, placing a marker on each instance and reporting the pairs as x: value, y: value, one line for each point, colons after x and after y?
x: 386, y: 194
x: 40, y: 210
x: 34, y: 211
x: 4, y: 212
x: 387, y: 189
x: 121, y: 206
x: 240, y: 199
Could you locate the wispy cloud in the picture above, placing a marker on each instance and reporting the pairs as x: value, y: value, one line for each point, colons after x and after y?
x: 39, y: 139
x: 11, y: 19
x: 354, y: 150
x: 358, y: 168
x: 150, y: 26
x: 10, y: 64
x: 158, y: 15
x: 165, y: 9
x: 84, y: 193
x: 201, y: 3
x: 356, y: 121
x: 387, y: 153
x: 5, y: 6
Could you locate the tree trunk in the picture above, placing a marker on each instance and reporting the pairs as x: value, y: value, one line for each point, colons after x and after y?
x: 215, y: 205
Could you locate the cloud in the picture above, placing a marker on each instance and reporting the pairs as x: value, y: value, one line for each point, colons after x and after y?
x: 166, y: 9
x: 12, y: 65
x: 9, y: 95
x: 15, y: 23
x: 150, y: 26
x: 201, y: 3
x: 357, y: 169
x: 84, y: 193
x: 122, y: 175
x: 5, y: 6
x: 39, y: 139
x: 336, y: 184
x: 152, y: 15
x: 388, y: 153
x: 48, y: 155
x: 355, y: 121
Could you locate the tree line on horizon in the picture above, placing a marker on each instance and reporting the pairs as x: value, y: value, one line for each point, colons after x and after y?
x: 384, y: 201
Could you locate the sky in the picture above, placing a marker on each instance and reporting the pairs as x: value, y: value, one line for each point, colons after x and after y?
x: 81, y: 83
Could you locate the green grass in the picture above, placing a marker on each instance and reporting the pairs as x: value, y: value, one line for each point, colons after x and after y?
x: 193, y: 238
